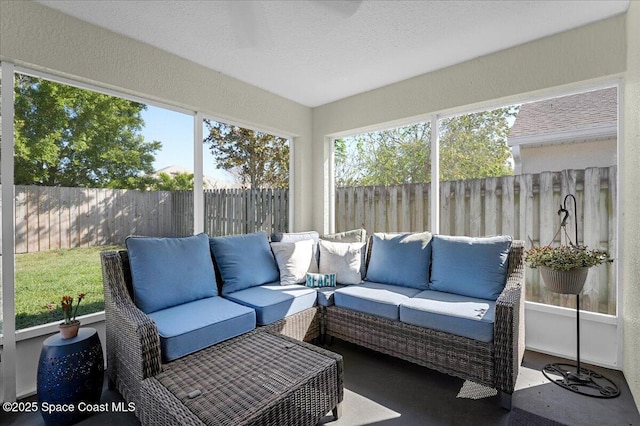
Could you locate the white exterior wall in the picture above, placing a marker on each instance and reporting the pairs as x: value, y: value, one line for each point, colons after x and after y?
x: 557, y: 157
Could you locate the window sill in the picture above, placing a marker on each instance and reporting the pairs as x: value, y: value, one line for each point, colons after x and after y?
x: 571, y: 312
x: 52, y: 327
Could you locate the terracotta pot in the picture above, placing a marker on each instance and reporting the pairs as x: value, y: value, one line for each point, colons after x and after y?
x: 69, y: 331
x: 565, y: 282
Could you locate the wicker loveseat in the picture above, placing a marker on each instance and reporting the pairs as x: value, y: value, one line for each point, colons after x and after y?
x: 493, y: 362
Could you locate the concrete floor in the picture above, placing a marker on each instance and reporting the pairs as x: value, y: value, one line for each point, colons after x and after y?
x: 384, y: 391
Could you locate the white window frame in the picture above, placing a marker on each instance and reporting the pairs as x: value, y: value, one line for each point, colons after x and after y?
x: 8, y: 332
x: 487, y: 106
x: 549, y: 93
x: 8, y: 335
x: 290, y: 139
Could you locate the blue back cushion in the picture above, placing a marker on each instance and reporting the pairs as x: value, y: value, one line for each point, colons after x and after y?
x: 400, y: 259
x: 474, y: 267
x: 244, y: 261
x: 170, y: 271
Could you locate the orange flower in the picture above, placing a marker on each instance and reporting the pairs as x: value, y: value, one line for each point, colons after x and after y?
x: 67, y: 307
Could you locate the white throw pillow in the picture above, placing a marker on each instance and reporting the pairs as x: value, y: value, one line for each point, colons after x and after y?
x: 294, y: 260
x: 342, y: 259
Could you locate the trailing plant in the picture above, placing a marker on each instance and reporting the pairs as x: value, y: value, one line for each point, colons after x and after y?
x: 565, y: 257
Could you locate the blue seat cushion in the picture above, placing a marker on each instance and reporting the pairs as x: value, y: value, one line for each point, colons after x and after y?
x: 167, y: 272
x: 400, y: 259
x: 326, y: 294
x: 460, y: 315
x: 474, y: 267
x: 377, y: 299
x: 187, y: 328
x: 272, y: 302
x: 244, y: 261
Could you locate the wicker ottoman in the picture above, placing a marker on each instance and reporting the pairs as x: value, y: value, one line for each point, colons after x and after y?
x: 259, y: 378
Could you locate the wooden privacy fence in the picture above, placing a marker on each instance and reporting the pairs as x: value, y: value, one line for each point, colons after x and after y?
x: 523, y: 206
x: 55, y: 217
x: 234, y: 211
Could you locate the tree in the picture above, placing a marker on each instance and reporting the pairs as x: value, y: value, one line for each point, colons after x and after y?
x: 258, y: 159
x: 172, y: 182
x: 389, y: 157
x: 67, y: 136
x: 345, y: 164
x: 474, y: 146
x: 471, y: 146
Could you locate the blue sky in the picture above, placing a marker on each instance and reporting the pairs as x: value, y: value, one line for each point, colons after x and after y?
x: 175, y: 131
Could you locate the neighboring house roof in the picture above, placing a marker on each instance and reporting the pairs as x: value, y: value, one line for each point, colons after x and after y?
x: 585, y: 116
x: 208, y: 182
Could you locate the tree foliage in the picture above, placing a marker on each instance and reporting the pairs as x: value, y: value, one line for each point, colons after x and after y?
x: 388, y: 157
x: 474, y: 146
x: 345, y: 174
x: 172, y: 182
x: 259, y: 160
x: 471, y: 146
x: 66, y: 136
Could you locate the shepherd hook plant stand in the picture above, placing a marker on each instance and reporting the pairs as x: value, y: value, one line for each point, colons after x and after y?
x: 574, y: 377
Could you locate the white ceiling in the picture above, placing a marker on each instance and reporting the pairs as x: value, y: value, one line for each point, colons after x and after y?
x: 314, y: 52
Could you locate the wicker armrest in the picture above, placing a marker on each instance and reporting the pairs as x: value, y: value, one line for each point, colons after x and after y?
x: 133, y: 343
x: 509, y: 322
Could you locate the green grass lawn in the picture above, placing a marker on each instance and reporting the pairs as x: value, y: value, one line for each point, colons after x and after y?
x: 43, y: 278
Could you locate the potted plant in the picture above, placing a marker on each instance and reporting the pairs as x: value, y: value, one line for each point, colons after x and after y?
x: 69, y: 328
x: 564, y: 269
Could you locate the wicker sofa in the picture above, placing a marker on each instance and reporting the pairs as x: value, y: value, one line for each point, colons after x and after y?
x: 493, y: 362
x: 135, y: 349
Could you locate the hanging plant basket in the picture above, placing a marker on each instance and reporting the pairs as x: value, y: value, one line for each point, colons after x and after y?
x: 565, y: 282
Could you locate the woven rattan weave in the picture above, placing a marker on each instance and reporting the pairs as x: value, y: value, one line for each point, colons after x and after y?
x: 304, y: 325
x: 132, y: 340
x: 259, y: 378
x: 493, y: 364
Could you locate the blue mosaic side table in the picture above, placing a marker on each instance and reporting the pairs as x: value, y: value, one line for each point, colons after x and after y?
x: 70, y: 371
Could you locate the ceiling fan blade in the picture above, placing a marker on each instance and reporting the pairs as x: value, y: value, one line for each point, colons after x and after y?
x: 343, y: 8
x: 250, y: 27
